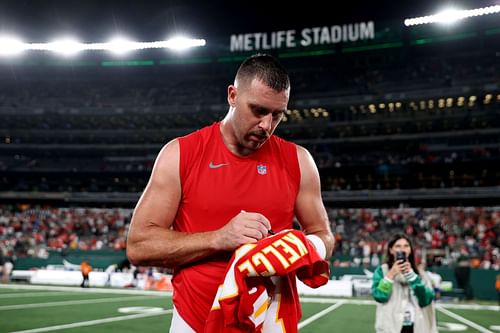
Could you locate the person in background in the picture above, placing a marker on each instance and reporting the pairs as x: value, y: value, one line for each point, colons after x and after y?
x: 2, y: 261
x: 6, y: 267
x: 436, y: 281
x: 109, y: 271
x: 223, y: 186
x: 497, y: 287
x: 85, y: 268
x: 434, y: 277
x: 404, y: 294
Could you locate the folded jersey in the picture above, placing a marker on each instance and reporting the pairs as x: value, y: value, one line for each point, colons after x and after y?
x: 259, y: 293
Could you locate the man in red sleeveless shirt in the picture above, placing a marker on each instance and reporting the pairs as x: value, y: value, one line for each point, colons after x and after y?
x: 223, y: 186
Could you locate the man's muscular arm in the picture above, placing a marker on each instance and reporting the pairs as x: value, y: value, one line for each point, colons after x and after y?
x: 152, y: 241
x: 309, y: 207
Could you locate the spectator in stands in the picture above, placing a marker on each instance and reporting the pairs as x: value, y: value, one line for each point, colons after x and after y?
x: 404, y: 294
x: 224, y: 186
x: 85, y: 268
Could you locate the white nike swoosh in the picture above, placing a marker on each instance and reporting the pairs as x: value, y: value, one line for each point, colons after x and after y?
x: 215, y: 166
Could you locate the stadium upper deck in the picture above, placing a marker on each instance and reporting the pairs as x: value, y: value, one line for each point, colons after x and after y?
x: 410, y: 109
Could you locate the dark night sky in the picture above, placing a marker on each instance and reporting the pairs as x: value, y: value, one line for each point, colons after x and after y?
x: 92, y: 20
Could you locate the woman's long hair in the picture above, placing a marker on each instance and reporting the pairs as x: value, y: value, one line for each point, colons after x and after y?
x: 390, y: 258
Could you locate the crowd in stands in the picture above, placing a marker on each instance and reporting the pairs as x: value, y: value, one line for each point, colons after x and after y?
x: 382, y: 150
x: 91, y: 90
x: 393, y: 72
x: 453, y: 233
x: 382, y: 120
x: 401, y: 167
x: 374, y: 120
x: 447, y: 234
x: 31, y: 231
x: 157, y: 127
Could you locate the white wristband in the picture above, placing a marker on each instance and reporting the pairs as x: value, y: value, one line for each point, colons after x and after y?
x: 318, y: 244
x: 410, y: 276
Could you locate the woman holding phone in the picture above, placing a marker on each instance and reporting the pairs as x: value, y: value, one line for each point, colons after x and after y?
x: 404, y: 295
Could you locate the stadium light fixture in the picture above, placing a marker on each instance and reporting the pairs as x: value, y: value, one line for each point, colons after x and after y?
x: 65, y: 46
x: 118, y: 45
x: 12, y: 46
x: 182, y: 43
x: 452, y: 15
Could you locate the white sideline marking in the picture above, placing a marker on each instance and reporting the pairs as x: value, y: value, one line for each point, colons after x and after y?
x: 304, y: 299
x: 464, y: 320
x: 324, y: 300
x: 16, y: 295
x: 469, y: 306
x: 86, y: 290
x: 61, y: 303
x: 93, y: 322
x: 320, y: 314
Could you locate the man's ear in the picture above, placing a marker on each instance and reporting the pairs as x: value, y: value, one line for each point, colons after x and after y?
x: 231, y: 95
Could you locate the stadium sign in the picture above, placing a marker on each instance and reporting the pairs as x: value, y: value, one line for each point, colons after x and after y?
x: 305, y: 38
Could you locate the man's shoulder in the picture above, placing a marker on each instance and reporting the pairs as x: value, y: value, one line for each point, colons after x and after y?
x: 192, y: 145
x: 200, y: 134
x: 283, y: 143
x: 279, y: 139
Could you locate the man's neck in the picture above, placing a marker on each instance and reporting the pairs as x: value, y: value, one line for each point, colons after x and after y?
x: 230, y: 141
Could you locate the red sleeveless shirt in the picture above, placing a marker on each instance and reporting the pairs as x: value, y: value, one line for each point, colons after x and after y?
x: 216, y: 186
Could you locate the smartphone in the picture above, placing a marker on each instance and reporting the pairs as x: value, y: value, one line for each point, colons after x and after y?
x: 400, y: 255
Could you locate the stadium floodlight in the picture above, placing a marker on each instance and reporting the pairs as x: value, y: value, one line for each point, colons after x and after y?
x: 69, y: 46
x: 182, y: 43
x: 452, y: 15
x: 10, y: 46
x: 66, y: 46
x: 178, y: 43
x: 119, y: 45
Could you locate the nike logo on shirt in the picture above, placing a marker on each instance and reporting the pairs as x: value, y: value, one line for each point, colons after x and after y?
x: 215, y: 166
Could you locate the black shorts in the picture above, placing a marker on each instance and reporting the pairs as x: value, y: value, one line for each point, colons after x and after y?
x: 407, y: 329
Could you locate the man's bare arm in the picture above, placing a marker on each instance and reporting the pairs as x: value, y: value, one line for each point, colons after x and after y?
x: 309, y: 207
x: 151, y: 240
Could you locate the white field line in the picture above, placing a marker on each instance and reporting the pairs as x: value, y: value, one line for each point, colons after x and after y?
x: 464, y: 320
x: 320, y: 314
x: 86, y: 290
x: 94, y: 322
x: 63, y: 303
x: 325, y: 300
x: 304, y: 299
x: 469, y: 306
x: 19, y: 295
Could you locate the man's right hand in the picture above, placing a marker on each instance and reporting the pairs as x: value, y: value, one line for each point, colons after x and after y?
x: 244, y: 228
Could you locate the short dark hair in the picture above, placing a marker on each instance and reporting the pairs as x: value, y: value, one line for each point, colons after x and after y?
x: 267, y: 69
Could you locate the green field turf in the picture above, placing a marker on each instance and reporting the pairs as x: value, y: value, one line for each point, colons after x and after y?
x: 32, y: 309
